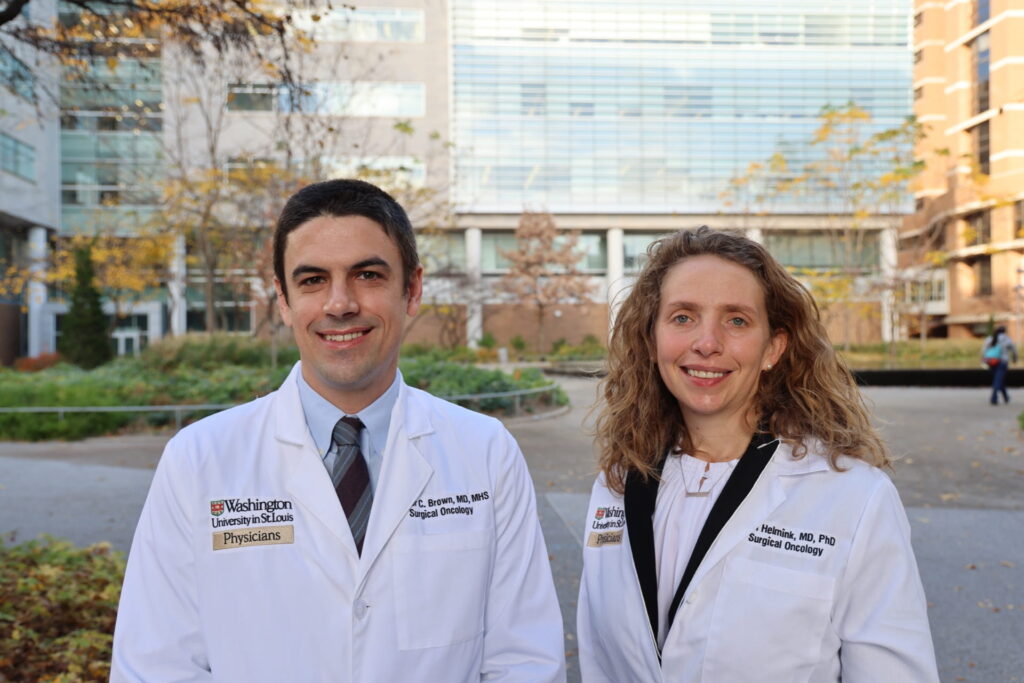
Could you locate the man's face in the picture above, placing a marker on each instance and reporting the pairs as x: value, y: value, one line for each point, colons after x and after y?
x: 347, y: 306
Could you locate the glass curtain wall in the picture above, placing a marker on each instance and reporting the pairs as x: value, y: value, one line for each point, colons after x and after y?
x: 111, y: 138
x: 648, y: 106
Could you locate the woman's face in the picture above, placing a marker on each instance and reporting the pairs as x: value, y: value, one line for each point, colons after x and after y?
x: 713, y: 339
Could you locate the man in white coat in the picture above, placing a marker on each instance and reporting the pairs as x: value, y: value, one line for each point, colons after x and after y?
x: 346, y: 527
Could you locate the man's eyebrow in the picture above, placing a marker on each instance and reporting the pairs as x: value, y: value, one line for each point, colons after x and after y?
x: 304, y: 269
x: 372, y: 262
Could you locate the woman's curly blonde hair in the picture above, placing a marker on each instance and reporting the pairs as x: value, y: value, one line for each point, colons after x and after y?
x: 808, y: 394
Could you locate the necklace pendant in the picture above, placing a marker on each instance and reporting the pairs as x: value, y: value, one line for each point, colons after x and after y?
x: 698, y: 494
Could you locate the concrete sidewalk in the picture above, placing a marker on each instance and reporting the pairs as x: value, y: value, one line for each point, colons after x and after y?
x: 961, y: 474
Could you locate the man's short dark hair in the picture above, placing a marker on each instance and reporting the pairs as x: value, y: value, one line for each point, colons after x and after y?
x: 346, y: 197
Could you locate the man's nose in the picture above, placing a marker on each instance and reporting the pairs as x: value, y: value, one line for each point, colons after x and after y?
x: 340, y: 300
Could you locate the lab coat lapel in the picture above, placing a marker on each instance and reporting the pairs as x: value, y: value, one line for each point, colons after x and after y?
x: 307, y: 479
x: 404, y: 474
x: 766, y: 495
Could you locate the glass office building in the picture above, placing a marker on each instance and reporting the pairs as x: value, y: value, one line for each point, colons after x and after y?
x: 587, y: 106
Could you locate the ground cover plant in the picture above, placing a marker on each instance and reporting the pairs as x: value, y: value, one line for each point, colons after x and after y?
x: 221, y: 370
x: 935, y: 353
x: 57, y: 610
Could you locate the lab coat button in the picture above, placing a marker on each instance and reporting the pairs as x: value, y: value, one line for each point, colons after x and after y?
x: 361, y: 608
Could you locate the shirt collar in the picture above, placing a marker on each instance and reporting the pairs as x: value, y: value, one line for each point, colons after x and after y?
x: 321, y: 415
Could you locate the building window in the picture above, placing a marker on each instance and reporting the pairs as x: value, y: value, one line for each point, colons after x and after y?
x: 591, y: 247
x: 16, y: 76
x: 376, y: 25
x: 534, y: 99
x: 684, y: 100
x: 1018, y: 219
x: 359, y: 98
x: 979, y: 227
x: 17, y: 158
x: 251, y: 96
x: 918, y: 54
x: 981, y: 11
x: 634, y: 249
x: 442, y: 253
x: 982, y: 268
x: 980, y: 133
x: 492, y: 244
x: 581, y: 109
x: 918, y: 19
x: 918, y: 93
x: 980, y: 59
x: 823, y: 250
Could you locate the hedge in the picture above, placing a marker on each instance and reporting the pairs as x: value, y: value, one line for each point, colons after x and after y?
x: 216, y: 369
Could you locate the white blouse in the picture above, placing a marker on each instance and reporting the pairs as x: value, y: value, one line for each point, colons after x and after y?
x: 689, y: 488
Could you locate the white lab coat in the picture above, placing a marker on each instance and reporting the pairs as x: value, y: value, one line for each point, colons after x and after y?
x: 842, y: 601
x: 453, y: 584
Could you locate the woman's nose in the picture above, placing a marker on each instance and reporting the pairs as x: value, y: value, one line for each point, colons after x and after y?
x: 707, y: 341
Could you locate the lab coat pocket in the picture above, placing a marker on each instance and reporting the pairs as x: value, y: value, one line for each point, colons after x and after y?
x: 768, y: 622
x: 441, y: 587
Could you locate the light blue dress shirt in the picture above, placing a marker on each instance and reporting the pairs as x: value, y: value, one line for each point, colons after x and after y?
x: 322, y: 415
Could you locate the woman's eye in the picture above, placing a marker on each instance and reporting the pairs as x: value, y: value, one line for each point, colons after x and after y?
x: 681, y: 318
x: 737, y: 322
x: 312, y: 280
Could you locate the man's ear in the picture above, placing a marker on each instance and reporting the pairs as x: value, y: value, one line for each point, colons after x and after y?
x: 415, y: 292
x: 282, y: 303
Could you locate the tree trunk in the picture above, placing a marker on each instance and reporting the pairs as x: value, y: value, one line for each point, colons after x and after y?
x: 540, y: 329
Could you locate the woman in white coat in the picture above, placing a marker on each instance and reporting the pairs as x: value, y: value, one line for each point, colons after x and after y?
x: 741, y: 528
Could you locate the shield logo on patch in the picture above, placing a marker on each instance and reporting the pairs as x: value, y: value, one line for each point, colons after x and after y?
x: 600, y: 513
x: 216, y: 508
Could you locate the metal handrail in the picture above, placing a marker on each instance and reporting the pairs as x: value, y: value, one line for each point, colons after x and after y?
x: 180, y: 409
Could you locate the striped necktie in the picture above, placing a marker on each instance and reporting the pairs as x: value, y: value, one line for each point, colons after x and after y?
x: 351, y: 477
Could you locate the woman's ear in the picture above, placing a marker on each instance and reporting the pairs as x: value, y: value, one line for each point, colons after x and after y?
x: 776, y: 347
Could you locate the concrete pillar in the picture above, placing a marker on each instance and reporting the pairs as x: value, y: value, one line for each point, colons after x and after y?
x: 474, y: 303
x: 616, y: 272
x: 887, y: 262
x: 41, y: 335
x: 176, y: 288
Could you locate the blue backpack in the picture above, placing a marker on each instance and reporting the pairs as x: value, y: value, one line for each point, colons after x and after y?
x: 993, y: 354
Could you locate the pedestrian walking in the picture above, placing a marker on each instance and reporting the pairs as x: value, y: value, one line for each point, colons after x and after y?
x: 996, y: 353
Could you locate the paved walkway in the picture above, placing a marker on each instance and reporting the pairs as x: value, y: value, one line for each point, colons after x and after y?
x: 960, y: 472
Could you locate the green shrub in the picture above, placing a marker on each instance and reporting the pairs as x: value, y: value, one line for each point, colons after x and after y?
x: 57, y: 610
x: 125, y: 382
x: 451, y: 379
x: 164, y: 378
x: 208, y: 351
x: 487, y: 341
x: 589, y: 348
x: 518, y: 343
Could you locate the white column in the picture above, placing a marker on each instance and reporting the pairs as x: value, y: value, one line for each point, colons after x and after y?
x: 616, y: 272
x: 474, y: 303
x: 41, y: 337
x: 176, y: 288
x: 887, y: 262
